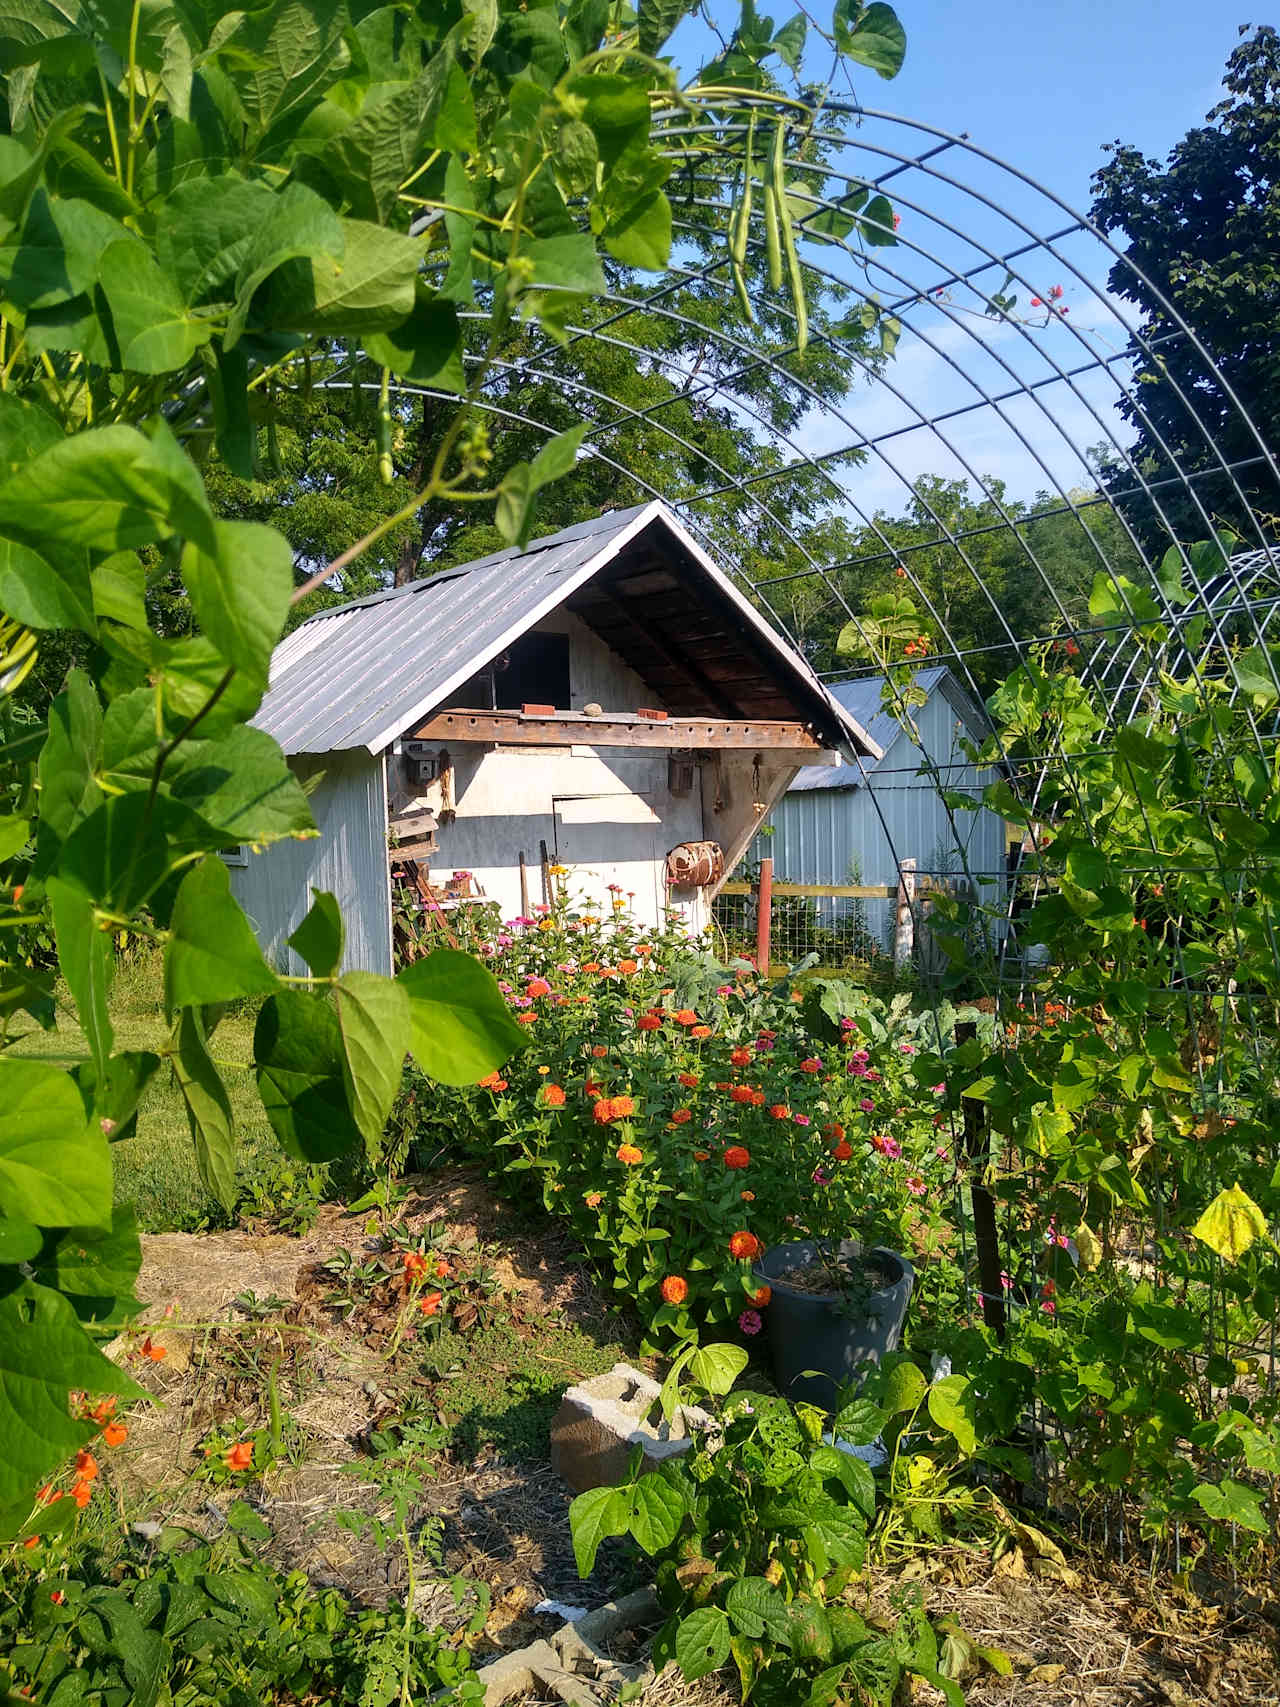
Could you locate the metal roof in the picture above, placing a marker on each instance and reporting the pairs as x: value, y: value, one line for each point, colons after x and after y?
x: 360, y: 674
x: 862, y: 699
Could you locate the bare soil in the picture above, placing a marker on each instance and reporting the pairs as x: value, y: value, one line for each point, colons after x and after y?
x: 1090, y: 1636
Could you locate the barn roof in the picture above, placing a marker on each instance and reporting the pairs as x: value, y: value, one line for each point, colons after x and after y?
x: 360, y: 674
x: 862, y: 700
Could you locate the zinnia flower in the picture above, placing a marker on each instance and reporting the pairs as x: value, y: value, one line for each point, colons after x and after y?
x: 702, y: 1155
x: 887, y: 1147
x: 491, y: 1082
x: 812, y: 1065
x: 700, y: 1032
x: 866, y: 1105
x: 802, y: 1119
x: 593, y: 1199
x: 740, y: 1057
x: 599, y: 1051
x: 743, y: 1245
x: 915, y: 1185
x: 622, y: 1106
x: 761, y: 1296
x: 602, y: 1113
x: 690, y: 1081
x: 675, y: 1289
x: 686, y: 1016
x: 757, y: 1099
x: 737, y: 1156
x: 648, y: 1022
x: 553, y: 1096
x: 629, y: 1155
x: 682, y: 1117
x: 780, y: 1111
x: 526, y: 1019
x: 740, y: 1093
x: 842, y: 1151
x: 747, y: 1196
x: 537, y: 987
x: 750, y: 1322
x: 627, y: 967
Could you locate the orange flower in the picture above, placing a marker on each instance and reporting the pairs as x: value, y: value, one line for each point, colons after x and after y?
x: 240, y: 1456
x: 105, y: 1409
x: 82, y: 1493
x: 643, y: 949
x: 702, y: 1155
x: 682, y: 1117
x: 690, y: 1081
x: 599, y: 1051
x: 591, y: 966
x: 491, y: 1082
x: 675, y: 1289
x: 842, y: 1151
x: 552, y: 1096
x: 603, y: 1111
x: 537, y: 987
x: 443, y: 1271
x: 747, y: 1196
x: 740, y: 1057
x: 627, y: 967
x: 686, y: 1016
x: 608, y: 971
x: 48, y: 1494
x: 744, y: 1246
x: 622, y: 1106
x: 526, y: 1019
x: 86, y: 1466
x: 593, y: 1199
x: 649, y: 1022
x: 737, y: 1156
x: 757, y: 1099
x: 811, y: 1066
x: 780, y: 1111
x: 700, y: 1032
x: 115, y: 1434
x: 834, y: 1130
x: 740, y: 1093
x: 629, y: 1155
x: 415, y: 1265
x: 430, y: 1303
x: 157, y: 1353
x: 31, y: 1541
x: 761, y: 1296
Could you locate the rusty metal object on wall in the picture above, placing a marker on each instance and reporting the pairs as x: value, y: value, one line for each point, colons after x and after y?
x: 692, y: 865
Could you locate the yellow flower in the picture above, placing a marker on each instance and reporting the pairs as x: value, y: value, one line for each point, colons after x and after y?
x: 546, y: 925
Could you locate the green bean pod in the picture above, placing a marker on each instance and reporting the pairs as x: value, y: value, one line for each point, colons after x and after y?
x: 772, y: 217
x: 386, y: 473
x: 793, y: 272
x: 740, y: 225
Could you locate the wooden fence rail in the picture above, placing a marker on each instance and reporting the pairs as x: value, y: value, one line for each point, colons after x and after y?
x: 767, y: 891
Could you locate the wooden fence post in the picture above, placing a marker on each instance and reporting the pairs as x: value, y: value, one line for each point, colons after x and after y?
x: 986, y: 1237
x: 904, y: 929
x: 764, y: 915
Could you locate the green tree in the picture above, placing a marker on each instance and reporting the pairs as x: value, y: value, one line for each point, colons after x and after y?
x: 1204, y: 230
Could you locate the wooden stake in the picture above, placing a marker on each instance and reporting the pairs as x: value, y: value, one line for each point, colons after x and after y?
x: 764, y: 916
x: 904, y: 930
x: 524, y: 888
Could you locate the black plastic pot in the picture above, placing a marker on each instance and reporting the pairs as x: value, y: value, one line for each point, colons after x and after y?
x: 817, y: 1331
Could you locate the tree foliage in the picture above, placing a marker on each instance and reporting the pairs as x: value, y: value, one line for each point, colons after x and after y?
x: 1203, y: 232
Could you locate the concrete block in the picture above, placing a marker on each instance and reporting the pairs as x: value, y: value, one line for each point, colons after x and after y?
x: 602, y: 1420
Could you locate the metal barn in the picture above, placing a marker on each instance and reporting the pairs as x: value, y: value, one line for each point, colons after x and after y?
x: 855, y: 822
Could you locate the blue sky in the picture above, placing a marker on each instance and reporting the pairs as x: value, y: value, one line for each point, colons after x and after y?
x: 1041, y: 88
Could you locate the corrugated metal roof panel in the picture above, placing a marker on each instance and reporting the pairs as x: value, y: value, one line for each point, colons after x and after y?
x: 862, y: 700
x: 357, y: 675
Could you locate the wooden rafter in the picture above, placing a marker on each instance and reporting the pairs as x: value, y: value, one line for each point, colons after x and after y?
x: 683, y: 666
x: 681, y: 734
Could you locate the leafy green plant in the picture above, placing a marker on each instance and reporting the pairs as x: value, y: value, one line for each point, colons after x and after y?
x: 759, y: 1532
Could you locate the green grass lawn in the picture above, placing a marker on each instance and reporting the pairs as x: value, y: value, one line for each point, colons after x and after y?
x: 155, y: 1169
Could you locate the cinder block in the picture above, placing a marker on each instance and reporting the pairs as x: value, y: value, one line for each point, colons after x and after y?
x: 602, y: 1420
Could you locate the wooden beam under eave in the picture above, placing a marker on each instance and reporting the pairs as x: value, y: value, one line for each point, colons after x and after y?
x: 688, y: 672
x: 680, y: 734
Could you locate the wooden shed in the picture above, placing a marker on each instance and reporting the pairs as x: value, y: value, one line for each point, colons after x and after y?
x: 598, y: 700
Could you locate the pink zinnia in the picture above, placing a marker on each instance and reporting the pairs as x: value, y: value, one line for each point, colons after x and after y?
x: 866, y: 1105
x: 906, y: 1049
x: 1049, y: 1307
x: 915, y: 1185
x: 802, y: 1119
x: 750, y: 1321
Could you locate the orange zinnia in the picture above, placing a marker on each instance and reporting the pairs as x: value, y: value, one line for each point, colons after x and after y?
x: 744, y: 1246
x: 702, y: 1155
x: 648, y: 1022
x: 675, y: 1289
x: 740, y: 1093
x: 552, y: 1096
x: 701, y: 1032
x: 622, y: 1106
x: 740, y: 1057
x: 842, y: 1151
x: 629, y: 1155
x: 811, y: 1066
x: 628, y: 966
x: 757, y: 1099
x: 603, y: 1111
x: 780, y: 1111
x: 737, y: 1156
x: 761, y: 1296
x: 686, y: 1016
x: 599, y: 1050
x: 834, y: 1130
x: 682, y: 1117
x: 690, y: 1081
x: 644, y: 948
x: 526, y: 1019
x: 591, y: 966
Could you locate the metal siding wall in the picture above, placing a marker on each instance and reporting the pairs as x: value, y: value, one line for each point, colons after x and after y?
x: 821, y: 835
x: 349, y: 858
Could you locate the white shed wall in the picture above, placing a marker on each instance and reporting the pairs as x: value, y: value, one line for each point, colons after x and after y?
x: 349, y: 858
